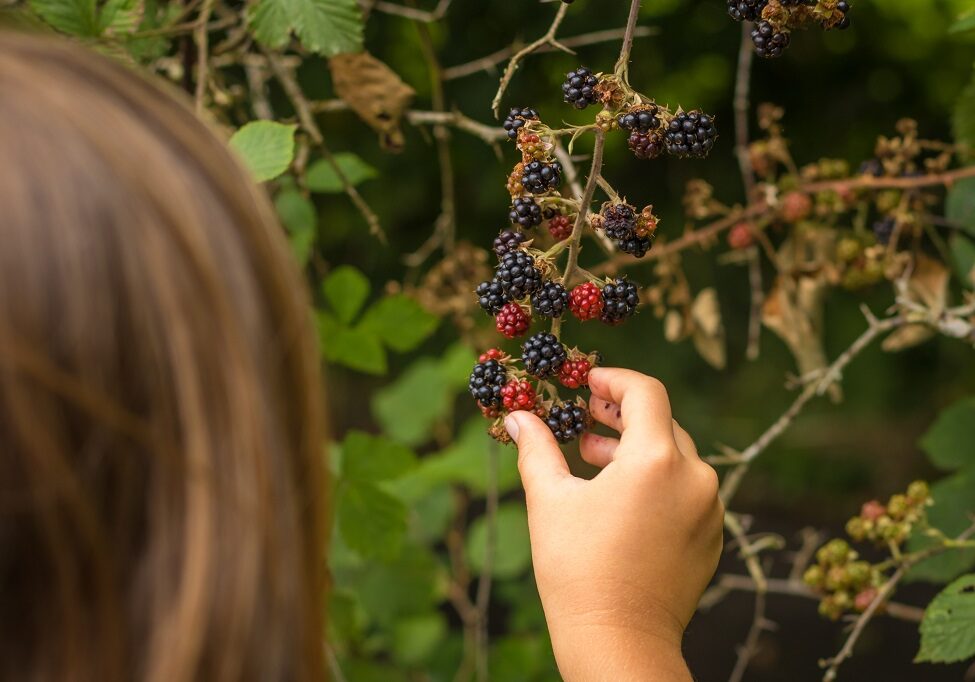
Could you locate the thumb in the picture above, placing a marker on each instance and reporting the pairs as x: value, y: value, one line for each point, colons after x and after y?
x: 540, y: 460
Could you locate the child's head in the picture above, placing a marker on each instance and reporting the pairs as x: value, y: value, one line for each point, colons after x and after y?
x: 160, y: 450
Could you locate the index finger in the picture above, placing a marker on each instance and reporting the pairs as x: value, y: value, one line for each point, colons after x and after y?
x: 644, y: 404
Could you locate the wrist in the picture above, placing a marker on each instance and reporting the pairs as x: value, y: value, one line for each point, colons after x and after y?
x: 618, y: 654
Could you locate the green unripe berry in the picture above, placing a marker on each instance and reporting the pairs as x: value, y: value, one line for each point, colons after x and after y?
x: 856, y: 528
x: 897, y: 506
x: 814, y: 577
x: 918, y: 491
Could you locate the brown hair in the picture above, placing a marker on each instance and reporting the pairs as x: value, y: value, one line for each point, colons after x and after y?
x: 160, y: 447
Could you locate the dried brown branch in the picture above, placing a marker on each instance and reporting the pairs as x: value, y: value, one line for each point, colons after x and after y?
x: 575, y: 240
x: 946, y: 179
x: 310, y: 126
x: 201, y: 37
x: 749, y: 553
x: 422, y: 16
x: 832, y: 665
x: 489, y: 62
x: 623, y: 62
x: 515, y: 61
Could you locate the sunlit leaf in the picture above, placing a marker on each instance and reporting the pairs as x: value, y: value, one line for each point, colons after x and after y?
x: 346, y: 290
x: 948, y: 628
x: 374, y: 458
x: 400, y: 322
x: 323, y: 178
x: 266, y: 147
x: 512, y: 552
x: 372, y: 522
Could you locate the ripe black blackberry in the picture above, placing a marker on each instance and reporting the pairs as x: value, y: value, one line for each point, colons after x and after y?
x: 746, y: 10
x: 641, y: 119
x: 620, y: 300
x: 487, y: 380
x: 646, y: 145
x: 619, y: 221
x: 543, y: 355
x: 525, y: 212
x: 844, y: 23
x: 579, y: 88
x: 690, y: 133
x: 568, y: 421
x: 516, y: 120
x: 768, y: 41
x: 883, y: 230
x: 491, y: 296
x: 551, y: 300
x: 635, y: 246
x: 518, y: 275
x: 539, y: 177
x: 507, y: 241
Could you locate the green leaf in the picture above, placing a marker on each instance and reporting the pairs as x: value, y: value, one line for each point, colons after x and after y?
x: 322, y: 177
x: 373, y: 458
x: 121, y: 16
x: 356, y: 349
x: 964, y: 23
x: 960, y: 205
x: 372, y: 522
x: 948, y: 628
x: 417, y: 637
x: 326, y: 26
x: 512, y: 552
x: 404, y: 587
x: 346, y: 289
x: 963, y: 257
x: 950, y: 442
x: 266, y: 147
x: 400, y: 322
x: 75, y: 17
x: 963, y: 116
x: 298, y: 216
x: 954, y: 500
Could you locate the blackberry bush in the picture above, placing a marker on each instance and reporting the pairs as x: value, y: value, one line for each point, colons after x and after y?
x: 640, y: 119
x: 620, y: 300
x: 551, y: 300
x: 518, y: 276
x: 486, y: 381
x: 539, y: 177
x: 516, y: 119
x: 769, y: 41
x: 507, y: 241
x: 746, y: 10
x: 568, y: 421
x: 525, y: 212
x: 491, y: 296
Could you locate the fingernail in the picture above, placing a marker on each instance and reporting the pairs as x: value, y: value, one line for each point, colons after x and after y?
x: 511, y: 426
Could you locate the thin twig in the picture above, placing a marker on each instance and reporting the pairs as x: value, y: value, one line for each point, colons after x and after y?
x: 749, y: 554
x: 814, y: 388
x: 201, y: 39
x: 489, y: 62
x: 333, y: 665
x: 623, y: 62
x: 572, y: 262
x: 572, y: 178
x: 413, y: 13
x: 300, y: 103
x: 483, y: 597
x: 547, y: 39
x: 947, y: 179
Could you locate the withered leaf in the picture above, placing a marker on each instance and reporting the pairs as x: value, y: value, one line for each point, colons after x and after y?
x: 708, y: 335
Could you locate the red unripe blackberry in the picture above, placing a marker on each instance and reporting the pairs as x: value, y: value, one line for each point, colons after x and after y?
x: 740, y: 236
x: 568, y: 421
x: 491, y: 354
x: 551, y: 300
x: 539, y: 177
x: 620, y: 300
x: 491, y: 296
x: 579, y: 88
x: 796, y: 206
x: 516, y: 119
x: 543, y: 355
x: 560, y: 226
x: 486, y: 381
x: 586, y: 301
x: 872, y: 510
x: 646, y: 145
x: 575, y: 372
x: 690, y: 134
x: 518, y: 395
x: 512, y: 321
x: 517, y: 276
x: 508, y: 240
x: 526, y: 212
x: 768, y: 41
x: 489, y: 412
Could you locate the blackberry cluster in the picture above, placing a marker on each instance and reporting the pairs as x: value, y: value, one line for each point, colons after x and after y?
x: 567, y: 421
x: 543, y: 355
x: 507, y: 241
x: 517, y: 119
x: 487, y: 380
x: 539, y: 177
x: 646, y: 145
x: 551, y: 300
x: 579, y: 88
x: 843, y: 7
x: 768, y: 41
x: 518, y: 276
x: 883, y: 230
x: 526, y: 212
x: 491, y: 296
x: 746, y: 10
x: 620, y: 300
x: 641, y: 120
x: 690, y: 133
x: 620, y: 223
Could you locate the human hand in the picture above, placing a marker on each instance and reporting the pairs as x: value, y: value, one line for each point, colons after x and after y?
x: 620, y: 560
